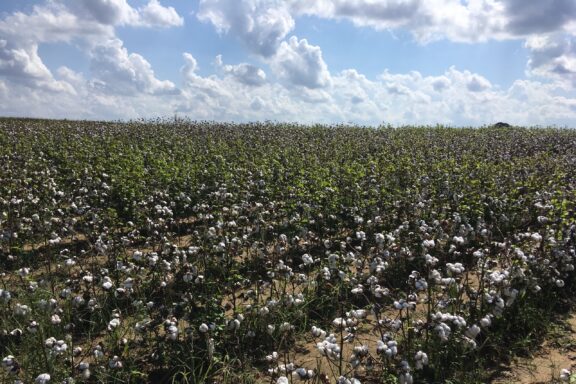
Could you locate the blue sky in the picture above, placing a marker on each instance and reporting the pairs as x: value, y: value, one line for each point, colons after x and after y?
x: 329, y: 61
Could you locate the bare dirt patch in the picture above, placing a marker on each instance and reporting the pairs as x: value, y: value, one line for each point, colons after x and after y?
x: 556, y: 353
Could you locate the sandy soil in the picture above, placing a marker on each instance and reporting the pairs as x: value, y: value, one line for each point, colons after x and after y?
x: 545, y: 365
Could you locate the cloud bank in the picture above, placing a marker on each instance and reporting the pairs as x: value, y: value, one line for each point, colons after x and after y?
x: 288, y: 78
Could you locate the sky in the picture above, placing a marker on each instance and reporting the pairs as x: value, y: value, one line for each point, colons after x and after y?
x: 364, y: 62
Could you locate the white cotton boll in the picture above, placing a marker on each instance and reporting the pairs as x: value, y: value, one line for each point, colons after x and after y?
x: 115, y: 363
x: 21, y: 310
x: 486, y: 321
x: 317, y: 332
x: 86, y: 373
x: 263, y: 311
x: 478, y: 254
x: 455, y: 268
x: 203, y: 328
x: 43, y: 378
x: 107, y: 284
x: 49, y: 342
x: 233, y: 324
x: 470, y: 343
x: 431, y: 260
x: 536, y: 237
x: 428, y: 244
x: 359, y: 314
x: 392, y: 348
x: 400, y: 304
x: 286, y: 327
x: 459, y: 321
x: 98, y: 353
x: 421, y: 284
x: 380, y: 346
x: 339, y: 322
x: 307, y: 259
x: 8, y: 362
x: 172, y: 332
x: 359, y: 289
x: 447, y: 281
x: 421, y: 360
x: 270, y: 328
x: 303, y: 374
x: 361, y: 350
x: 459, y: 240
x: 405, y: 378
x: 70, y: 262
x: 473, y: 331
x: 565, y: 375
x: 113, y: 324
x: 272, y: 357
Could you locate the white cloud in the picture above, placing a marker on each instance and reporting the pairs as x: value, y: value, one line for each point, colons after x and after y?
x: 3, y: 88
x: 454, y: 97
x: 441, y: 83
x: 529, y: 17
x: 90, y: 23
x: 110, y: 12
x: 245, y: 73
x: 300, y: 86
x: 260, y: 24
x: 299, y: 63
x: 553, y: 56
x: 477, y: 83
x: 52, y: 22
x: 120, y: 72
x: 87, y: 22
x: 119, y: 12
x: 350, y: 97
x: 21, y: 64
x: 87, y: 102
x: 455, y: 20
x: 156, y: 15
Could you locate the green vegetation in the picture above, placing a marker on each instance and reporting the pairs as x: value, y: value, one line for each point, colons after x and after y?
x: 268, y: 253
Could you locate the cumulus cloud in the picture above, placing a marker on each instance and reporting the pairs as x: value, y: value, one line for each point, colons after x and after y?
x: 455, y: 20
x: 120, y: 72
x: 87, y: 101
x: 552, y: 56
x: 260, y: 24
x: 52, y: 22
x: 453, y: 97
x: 298, y: 86
x: 154, y: 14
x: 529, y: 17
x: 21, y: 64
x: 119, y: 12
x: 111, y: 12
x: 90, y: 23
x: 441, y: 83
x: 476, y: 83
x: 245, y: 73
x: 85, y: 21
x: 299, y: 63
